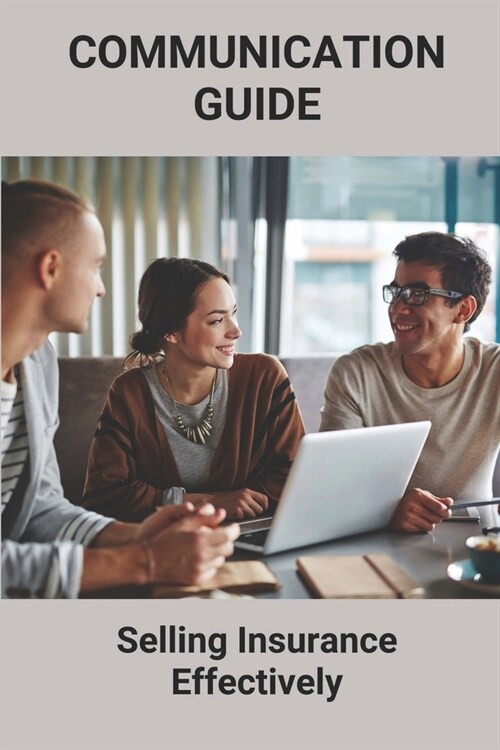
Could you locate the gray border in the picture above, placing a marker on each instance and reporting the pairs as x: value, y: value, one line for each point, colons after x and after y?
x: 64, y: 683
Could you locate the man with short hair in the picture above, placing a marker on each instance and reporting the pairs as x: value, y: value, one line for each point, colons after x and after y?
x: 430, y: 371
x: 52, y: 251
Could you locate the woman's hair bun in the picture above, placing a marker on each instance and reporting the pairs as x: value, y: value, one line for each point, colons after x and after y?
x: 141, y: 342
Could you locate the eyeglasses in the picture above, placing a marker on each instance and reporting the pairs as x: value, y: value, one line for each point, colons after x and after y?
x: 415, y: 295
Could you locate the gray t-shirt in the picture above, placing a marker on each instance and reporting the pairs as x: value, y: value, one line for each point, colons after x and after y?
x: 369, y: 387
x: 193, y: 460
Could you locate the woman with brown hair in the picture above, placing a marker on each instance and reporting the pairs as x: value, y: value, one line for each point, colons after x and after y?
x: 190, y: 419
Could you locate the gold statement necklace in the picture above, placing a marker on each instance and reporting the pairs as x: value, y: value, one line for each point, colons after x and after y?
x: 199, y: 433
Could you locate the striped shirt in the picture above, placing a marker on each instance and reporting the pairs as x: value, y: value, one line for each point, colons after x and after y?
x: 14, y: 437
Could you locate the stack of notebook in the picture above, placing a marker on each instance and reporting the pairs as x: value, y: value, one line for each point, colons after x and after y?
x: 245, y: 577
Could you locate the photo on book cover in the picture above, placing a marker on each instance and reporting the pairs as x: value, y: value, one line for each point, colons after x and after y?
x: 279, y: 375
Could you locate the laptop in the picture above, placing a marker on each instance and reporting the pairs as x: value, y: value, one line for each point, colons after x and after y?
x: 341, y: 483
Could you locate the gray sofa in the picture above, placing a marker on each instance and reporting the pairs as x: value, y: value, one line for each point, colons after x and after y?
x: 84, y: 382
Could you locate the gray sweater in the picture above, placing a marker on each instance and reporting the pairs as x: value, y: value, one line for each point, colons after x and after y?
x: 43, y: 534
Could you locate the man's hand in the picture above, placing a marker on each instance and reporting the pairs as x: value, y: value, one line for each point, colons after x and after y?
x: 178, y: 544
x: 238, y: 504
x: 190, y: 550
x: 162, y: 518
x: 420, y: 510
x: 117, y: 533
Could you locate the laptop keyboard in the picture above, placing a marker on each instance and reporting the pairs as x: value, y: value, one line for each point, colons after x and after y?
x: 255, y: 537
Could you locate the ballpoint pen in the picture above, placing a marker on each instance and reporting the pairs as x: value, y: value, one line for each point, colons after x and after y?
x: 475, y: 503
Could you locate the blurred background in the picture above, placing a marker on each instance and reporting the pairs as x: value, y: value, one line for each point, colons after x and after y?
x: 307, y: 241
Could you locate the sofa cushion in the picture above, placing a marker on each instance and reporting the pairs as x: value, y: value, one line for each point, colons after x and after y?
x: 308, y: 375
x: 83, y: 387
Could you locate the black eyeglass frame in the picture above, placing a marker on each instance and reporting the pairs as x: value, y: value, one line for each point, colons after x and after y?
x: 404, y: 291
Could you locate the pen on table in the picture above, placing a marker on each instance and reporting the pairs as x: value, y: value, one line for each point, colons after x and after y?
x: 475, y: 503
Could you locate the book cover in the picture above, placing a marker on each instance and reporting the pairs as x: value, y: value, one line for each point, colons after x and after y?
x: 362, y: 78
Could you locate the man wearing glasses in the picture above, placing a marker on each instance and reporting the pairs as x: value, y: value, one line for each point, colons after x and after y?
x: 430, y: 371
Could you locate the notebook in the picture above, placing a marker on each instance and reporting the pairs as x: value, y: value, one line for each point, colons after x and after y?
x: 374, y: 576
x: 341, y: 483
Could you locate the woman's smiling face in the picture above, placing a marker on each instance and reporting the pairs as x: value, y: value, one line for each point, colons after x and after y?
x: 210, y: 332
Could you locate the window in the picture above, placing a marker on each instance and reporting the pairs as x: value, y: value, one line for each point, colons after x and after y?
x: 345, y: 216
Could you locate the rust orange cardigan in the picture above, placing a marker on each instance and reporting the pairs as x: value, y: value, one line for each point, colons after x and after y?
x: 131, y: 463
